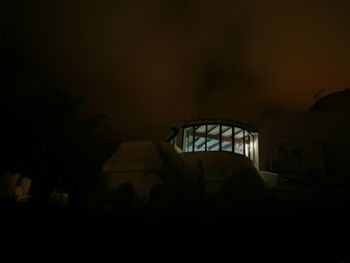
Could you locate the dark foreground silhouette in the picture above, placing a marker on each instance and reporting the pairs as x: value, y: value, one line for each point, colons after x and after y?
x: 300, y: 230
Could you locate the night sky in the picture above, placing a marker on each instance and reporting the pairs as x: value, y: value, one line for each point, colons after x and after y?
x: 151, y: 64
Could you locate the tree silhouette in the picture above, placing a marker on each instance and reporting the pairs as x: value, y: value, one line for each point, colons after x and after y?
x: 43, y: 138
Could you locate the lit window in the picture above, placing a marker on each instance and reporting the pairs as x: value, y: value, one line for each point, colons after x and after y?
x: 188, y: 139
x: 251, y: 147
x: 199, y: 138
x: 247, y: 144
x: 226, y: 139
x: 239, y: 140
x: 216, y: 137
x: 213, y: 138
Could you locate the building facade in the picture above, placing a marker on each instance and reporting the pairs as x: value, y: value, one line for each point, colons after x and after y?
x: 307, y: 148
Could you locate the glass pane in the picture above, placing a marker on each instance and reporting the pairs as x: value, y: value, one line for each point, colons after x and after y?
x: 213, y: 138
x: 199, y: 138
x: 226, y: 139
x: 238, y: 140
x: 178, y: 140
x: 247, y: 143
x: 188, y: 139
x: 252, y: 149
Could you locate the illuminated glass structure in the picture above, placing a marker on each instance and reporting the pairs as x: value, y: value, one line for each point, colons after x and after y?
x: 215, y: 136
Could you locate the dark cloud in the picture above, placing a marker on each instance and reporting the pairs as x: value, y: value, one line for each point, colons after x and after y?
x: 151, y: 64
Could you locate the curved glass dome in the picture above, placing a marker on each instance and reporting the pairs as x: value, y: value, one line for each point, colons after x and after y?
x: 215, y: 136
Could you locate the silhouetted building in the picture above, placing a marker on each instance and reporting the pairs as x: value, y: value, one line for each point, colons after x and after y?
x: 296, y: 150
x: 308, y: 147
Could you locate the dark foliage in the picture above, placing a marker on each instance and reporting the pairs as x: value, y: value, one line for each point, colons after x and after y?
x: 43, y: 138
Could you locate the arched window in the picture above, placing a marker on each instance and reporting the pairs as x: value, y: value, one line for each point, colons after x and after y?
x: 295, y: 162
x: 216, y: 137
x: 283, y: 159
